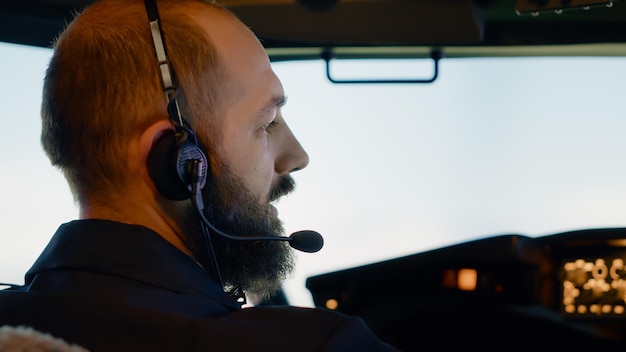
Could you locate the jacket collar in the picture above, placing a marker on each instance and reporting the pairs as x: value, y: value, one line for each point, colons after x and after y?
x: 130, y: 251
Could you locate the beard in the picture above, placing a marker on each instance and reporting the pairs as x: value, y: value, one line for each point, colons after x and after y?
x: 257, y: 267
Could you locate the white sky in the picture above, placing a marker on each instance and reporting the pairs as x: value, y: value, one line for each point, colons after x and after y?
x: 492, y: 147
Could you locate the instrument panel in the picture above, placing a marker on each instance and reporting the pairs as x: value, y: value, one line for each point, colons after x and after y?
x: 566, y: 289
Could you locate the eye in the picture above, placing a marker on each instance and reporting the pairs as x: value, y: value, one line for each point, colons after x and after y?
x: 268, y: 126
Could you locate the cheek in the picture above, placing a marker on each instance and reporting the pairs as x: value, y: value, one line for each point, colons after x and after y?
x: 259, y: 174
x: 252, y: 162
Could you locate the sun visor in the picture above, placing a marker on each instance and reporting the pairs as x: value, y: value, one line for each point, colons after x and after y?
x: 356, y: 22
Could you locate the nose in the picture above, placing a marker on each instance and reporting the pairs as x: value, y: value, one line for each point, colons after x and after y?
x: 289, y: 154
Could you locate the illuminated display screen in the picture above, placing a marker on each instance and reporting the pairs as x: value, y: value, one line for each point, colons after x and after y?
x: 594, y: 287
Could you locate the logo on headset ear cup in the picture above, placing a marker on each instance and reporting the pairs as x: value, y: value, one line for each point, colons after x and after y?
x: 168, y: 165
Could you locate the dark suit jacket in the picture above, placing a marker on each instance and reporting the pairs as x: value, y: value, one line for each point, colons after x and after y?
x: 115, y: 287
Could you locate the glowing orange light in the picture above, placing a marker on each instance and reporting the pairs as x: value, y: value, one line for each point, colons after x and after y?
x: 467, y: 279
x: 332, y: 304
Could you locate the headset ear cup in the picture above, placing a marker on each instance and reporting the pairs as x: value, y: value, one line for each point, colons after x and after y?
x: 168, y: 166
x: 162, y: 168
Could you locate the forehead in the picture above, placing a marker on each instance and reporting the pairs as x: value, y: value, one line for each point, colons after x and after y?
x: 238, y: 49
x: 250, y: 79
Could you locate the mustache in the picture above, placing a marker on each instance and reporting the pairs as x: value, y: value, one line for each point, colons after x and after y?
x: 285, y: 185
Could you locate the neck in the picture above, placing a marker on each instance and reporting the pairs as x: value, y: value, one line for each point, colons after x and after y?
x: 128, y: 211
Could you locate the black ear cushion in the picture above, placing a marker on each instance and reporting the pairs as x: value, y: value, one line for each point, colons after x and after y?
x: 168, y: 164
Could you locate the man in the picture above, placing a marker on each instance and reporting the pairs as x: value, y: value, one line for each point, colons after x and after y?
x: 165, y: 119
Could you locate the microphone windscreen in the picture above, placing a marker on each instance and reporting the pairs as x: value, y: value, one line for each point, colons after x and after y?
x: 306, y: 241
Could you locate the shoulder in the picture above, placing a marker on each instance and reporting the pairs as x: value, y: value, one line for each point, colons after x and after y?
x: 312, y: 328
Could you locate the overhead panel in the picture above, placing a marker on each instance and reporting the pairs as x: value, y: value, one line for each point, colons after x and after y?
x: 355, y: 22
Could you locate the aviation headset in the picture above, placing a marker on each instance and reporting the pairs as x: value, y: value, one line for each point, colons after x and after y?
x: 172, y: 155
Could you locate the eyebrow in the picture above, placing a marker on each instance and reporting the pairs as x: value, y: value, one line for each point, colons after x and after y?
x: 275, y: 102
